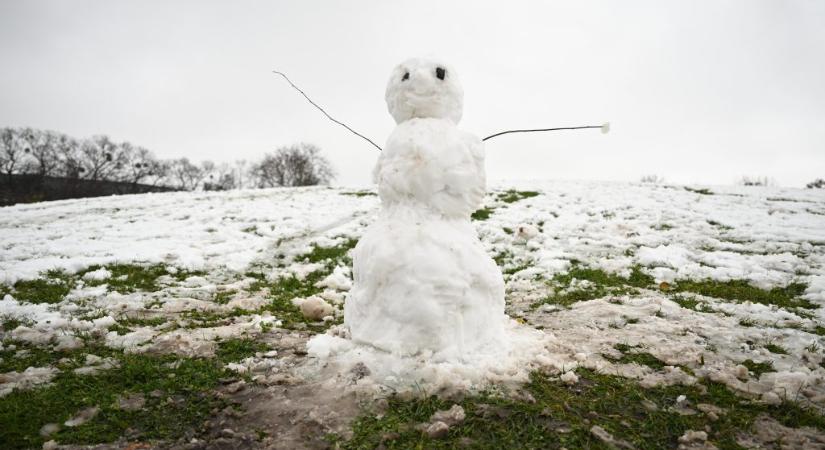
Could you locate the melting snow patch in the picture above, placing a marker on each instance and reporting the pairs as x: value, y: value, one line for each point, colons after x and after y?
x: 29, y: 378
x: 97, y: 275
x: 525, y: 350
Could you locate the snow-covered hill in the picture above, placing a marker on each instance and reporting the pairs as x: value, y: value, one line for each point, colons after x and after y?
x: 721, y: 283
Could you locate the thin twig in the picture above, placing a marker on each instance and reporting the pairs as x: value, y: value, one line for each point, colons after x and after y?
x: 540, y: 129
x: 325, y: 113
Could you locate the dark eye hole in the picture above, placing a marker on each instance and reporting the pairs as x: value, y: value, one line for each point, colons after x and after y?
x: 405, y: 77
x: 440, y: 73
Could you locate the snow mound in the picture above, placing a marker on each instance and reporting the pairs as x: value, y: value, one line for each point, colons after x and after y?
x: 521, y: 351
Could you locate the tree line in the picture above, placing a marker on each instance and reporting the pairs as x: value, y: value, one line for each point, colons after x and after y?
x: 30, y: 151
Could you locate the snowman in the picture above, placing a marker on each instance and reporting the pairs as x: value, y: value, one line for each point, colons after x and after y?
x: 423, y: 284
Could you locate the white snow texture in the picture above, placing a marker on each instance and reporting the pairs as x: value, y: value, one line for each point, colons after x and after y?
x: 423, y: 283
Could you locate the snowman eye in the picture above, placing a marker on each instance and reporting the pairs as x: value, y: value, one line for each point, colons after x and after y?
x: 406, y: 76
x: 440, y: 73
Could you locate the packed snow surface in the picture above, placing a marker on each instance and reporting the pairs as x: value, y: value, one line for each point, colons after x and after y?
x: 767, y: 237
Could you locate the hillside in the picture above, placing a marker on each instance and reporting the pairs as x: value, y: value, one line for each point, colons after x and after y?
x: 171, y: 318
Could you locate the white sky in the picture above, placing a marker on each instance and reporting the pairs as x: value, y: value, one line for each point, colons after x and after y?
x: 696, y: 91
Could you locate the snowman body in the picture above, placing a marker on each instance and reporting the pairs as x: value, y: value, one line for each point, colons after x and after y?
x: 423, y: 283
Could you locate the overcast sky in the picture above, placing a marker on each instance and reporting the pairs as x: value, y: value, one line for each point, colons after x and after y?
x: 696, y: 91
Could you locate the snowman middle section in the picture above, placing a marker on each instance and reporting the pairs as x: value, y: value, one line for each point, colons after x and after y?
x: 423, y: 283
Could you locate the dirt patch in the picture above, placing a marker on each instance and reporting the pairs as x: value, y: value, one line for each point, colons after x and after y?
x: 768, y: 433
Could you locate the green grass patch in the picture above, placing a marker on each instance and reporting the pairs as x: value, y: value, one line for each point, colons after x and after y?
x: 481, y: 214
x: 600, y: 284
x: 223, y: 297
x: 178, y: 394
x: 687, y: 302
x: 641, y: 358
x: 632, y: 356
x: 773, y: 348
x: 286, y: 288
x: 702, y: 191
x: 209, y: 319
x: 236, y: 349
x: 332, y: 256
x: 758, y: 368
x: 51, y: 287
x: 562, y: 416
x: 512, y: 195
x: 126, y: 324
x: 741, y: 290
x: 747, y: 322
x: 127, y: 278
x: 25, y: 355
x: 8, y: 323
x: 54, y: 285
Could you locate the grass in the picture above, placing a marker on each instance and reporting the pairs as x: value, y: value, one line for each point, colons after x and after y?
x: 182, y: 402
x: 236, y: 349
x: 8, y: 323
x: 26, y: 355
x: 126, y: 324
x: 758, y: 368
x: 128, y: 278
x: 508, y: 196
x: 179, y: 395
x: 688, y: 302
x: 359, y: 193
x: 53, y: 286
x: 702, y: 191
x: 512, y: 195
x: 630, y: 356
x: 223, y: 297
x: 741, y: 290
x: 562, y: 416
x: 481, y: 214
x: 286, y: 288
x: 208, y: 319
x: 332, y: 256
x: 600, y: 285
x: 773, y: 348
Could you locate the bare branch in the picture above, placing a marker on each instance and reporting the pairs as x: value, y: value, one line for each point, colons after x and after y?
x: 325, y: 113
x: 545, y: 129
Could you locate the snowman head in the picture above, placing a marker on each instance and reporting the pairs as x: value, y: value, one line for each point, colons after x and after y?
x: 422, y: 87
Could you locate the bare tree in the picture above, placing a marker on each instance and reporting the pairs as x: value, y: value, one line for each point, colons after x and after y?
x: 819, y: 183
x: 186, y: 175
x: 240, y: 170
x: 101, y: 158
x: 138, y: 164
x: 11, y: 152
x: 39, y: 145
x: 756, y: 181
x: 296, y: 165
x: 71, y: 157
x: 221, y: 178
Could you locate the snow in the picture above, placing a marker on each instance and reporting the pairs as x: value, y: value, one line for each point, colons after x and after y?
x: 609, y: 225
x: 414, y: 91
x: 192, y: 230
x: 29, y: 378
x: 422, y: 282
x: 97, y: 275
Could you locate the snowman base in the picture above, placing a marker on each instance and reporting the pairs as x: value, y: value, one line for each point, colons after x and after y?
x: 367, y: 368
